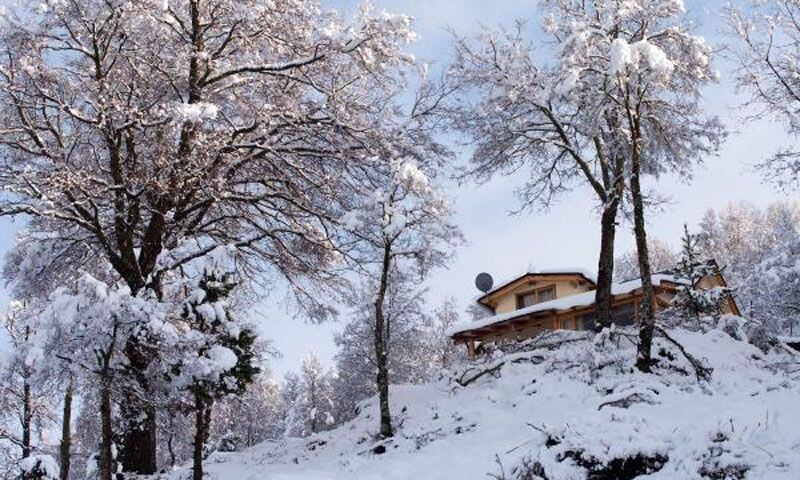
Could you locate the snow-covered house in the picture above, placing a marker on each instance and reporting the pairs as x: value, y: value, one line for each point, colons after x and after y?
x: 564, y: 299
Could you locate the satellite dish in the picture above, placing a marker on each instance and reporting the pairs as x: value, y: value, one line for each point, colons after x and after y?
x: 484, y: 282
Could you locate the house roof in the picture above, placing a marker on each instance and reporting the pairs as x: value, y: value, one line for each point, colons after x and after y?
x: 578, y: 272
x: 568, y: 302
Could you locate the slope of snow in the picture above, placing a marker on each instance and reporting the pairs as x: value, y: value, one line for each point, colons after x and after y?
x: 559, y: 403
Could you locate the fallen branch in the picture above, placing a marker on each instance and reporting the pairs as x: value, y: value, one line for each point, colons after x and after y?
x: 492, y: 370
x: 536, y: 359
x: 627, y: 401
x: 701, y: 371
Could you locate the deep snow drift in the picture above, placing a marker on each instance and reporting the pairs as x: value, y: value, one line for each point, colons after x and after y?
x: 567, y: 406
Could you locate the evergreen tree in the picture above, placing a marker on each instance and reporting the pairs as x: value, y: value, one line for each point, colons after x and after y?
x: 692, y: 301
x: 219, y: 356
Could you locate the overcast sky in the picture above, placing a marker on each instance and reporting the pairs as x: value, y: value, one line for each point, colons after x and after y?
x: 568, y: 234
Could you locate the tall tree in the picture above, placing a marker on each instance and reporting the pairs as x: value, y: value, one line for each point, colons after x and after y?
x: 653, y: 70
x: 137, y: 128
x: 407, y: 341
x: 401, y: 229
x: 548, y: 118
x: 619, y: 100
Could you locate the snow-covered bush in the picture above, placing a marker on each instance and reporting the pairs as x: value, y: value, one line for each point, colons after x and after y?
x: 38, y: 467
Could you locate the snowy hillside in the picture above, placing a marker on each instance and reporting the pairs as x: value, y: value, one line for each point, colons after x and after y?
x: 568, y: 406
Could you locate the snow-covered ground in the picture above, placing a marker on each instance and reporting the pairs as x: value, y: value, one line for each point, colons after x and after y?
x: 543, y: 408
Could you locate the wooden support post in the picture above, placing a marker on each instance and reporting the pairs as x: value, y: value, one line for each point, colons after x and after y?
x: 471, y: 349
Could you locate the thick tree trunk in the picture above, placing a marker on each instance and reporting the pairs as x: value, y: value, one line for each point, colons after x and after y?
x: 381, y: 354
x: 138, y: 454
x: 647, y: 313
x: 605, y: 267
x: 66, y: 434
x: 200, y: 436
x: 106, y: 458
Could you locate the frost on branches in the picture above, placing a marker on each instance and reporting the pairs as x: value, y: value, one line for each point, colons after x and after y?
x: 310, y: 404
x: 131, y: 128
x: 773, y: 289
x: 400, y: 232
x: 765, y: 40
x: 619, y: 100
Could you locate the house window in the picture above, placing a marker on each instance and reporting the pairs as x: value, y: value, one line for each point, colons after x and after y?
x: 536, y: 296
x: 624, y: 315
x: 547, y: 294
x: 587, y: 321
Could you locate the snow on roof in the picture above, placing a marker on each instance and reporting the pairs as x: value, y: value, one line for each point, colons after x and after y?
x: 584, y: 299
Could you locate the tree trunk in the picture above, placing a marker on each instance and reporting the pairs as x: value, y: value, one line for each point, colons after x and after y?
x: 27, y: 416
x: 605, y: 267
x: 66, y: 434
x: 647, y: 315
x: 138, y: 453
x: 200, y: 436
x: 106, y: 459
x: 381, y: 354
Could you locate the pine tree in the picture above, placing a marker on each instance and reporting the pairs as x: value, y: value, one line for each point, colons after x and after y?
x: 219, y: 354
x: 692, y: 301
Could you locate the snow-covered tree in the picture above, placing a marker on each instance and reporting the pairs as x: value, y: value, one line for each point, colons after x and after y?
x: 741, y: 235
x: 29, y: 389
x: 521, y: 112
x: 407, y: 340
x: 290, y: 396
x: 620, y: 100
x: 445, y: 352
x: 626, y: 266
x: 133, y: 128
x: 753, y: 247
x: 216, y: 355
x: 620, y: 93
x: 86, y: 329
x: 692, y: 301
x: 310, y: 405
x: 245, y: 420
x: 765, y: 40
x: 402, y: 229
x: 772, y: 290
x: 39, y: 467
x: 652, y: 71
x: 17, y: 374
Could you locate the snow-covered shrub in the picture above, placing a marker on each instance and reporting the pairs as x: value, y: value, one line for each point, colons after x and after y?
x: 750, y: 331
x: 38, y: 467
